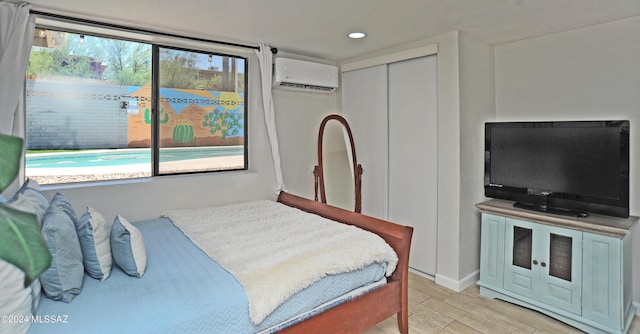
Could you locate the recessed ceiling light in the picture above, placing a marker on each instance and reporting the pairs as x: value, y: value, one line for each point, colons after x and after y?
x: 356, y: 35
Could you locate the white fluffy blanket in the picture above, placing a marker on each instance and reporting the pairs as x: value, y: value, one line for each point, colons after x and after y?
x: 274, y: 250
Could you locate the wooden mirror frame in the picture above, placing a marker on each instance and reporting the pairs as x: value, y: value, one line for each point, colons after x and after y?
x: 318, y: 171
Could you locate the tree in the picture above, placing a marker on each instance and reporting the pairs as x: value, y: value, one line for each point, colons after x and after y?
x: 69, y: 60
x: 177, y: 69
x: 128, y: 63
x: 40, y: 62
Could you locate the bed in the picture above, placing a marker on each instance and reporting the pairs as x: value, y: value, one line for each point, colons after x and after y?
x: 183, y: 288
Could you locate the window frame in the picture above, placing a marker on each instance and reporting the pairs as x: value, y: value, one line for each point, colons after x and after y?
x: 156, y: 41
x: 155, y: 129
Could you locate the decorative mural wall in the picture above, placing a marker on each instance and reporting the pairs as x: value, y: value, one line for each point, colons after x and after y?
x: 187, y: 117
x: 79, y: 115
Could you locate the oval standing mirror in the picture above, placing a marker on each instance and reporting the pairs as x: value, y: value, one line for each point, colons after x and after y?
x: 338, y: 174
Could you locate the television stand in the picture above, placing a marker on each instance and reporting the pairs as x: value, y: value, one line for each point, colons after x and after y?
x: 550, y: 210
x: 576, y: 270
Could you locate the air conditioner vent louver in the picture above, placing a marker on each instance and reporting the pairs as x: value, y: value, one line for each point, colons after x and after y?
x: 325, y: 89
x: 305, y: 87
x: 295, y: 74
x: 291, y: 85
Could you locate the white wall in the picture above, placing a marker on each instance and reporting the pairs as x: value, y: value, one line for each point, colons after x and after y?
x: 585, y: 74
x: 148, y: 198
x: 477, y: 106
x: 298, y: 118
x: 449, y: 249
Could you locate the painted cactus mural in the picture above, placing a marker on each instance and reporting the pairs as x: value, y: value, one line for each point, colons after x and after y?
x: 183, y: 133
x: 164, y: 118
x: 226, y: 123
x: 188, y: 117
x: 225, y: 119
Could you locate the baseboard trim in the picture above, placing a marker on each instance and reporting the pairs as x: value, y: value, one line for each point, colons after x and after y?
x: 469, y: 280
x: 458, y: 285
x: 422, y: 274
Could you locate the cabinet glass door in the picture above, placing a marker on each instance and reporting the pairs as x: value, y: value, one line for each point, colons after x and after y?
x: 520, y: 263
x: 544, y: 262
x: 561, y: 265
x: 560, y: 252
x: 522, y: 245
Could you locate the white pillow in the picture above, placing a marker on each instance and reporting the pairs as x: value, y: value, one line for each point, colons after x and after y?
x: 94, y: 234
x: 127, y: 247
x: 16, y: 300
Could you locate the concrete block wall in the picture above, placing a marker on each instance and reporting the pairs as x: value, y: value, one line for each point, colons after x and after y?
x: 75, y: 115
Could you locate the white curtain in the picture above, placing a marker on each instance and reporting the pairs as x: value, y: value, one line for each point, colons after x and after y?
x: 265, y: 57
x: 16, y: 36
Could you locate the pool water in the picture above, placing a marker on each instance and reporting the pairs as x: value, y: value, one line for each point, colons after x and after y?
x: 117, y: 157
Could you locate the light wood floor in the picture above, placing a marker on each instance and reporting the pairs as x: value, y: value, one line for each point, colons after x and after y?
x: 435, y: 309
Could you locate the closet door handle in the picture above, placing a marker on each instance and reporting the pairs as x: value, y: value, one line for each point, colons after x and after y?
x: 543, y: 264
x: 535, y: 262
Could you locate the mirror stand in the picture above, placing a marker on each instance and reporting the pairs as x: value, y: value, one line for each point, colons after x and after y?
x: 318, y: 170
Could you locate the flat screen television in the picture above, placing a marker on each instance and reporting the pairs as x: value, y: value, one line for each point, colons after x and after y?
x: 568, y: 167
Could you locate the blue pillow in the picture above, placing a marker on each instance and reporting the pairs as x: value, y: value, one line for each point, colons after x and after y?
x: 63, y: 280
x: 28, y: 184
x: 94, y: 234
x: 127, y: 247
x: 31, y: 201
x: 64, y: 205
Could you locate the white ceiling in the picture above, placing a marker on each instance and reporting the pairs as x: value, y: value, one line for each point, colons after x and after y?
x: 318, y: 28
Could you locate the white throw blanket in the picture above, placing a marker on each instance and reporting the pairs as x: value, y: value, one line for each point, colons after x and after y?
x: 274, y: 250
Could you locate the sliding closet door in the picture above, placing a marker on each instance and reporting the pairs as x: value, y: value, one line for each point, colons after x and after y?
x: 364, y: 106
x: 413, y: 152
x: 392, y: 110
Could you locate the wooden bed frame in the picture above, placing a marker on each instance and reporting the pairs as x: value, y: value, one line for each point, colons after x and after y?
x: 364, y: 312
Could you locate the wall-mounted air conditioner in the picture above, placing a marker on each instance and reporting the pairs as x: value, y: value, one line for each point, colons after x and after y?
x: 296, y: 74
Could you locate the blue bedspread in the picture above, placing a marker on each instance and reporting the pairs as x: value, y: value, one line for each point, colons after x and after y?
x: 182, y: 291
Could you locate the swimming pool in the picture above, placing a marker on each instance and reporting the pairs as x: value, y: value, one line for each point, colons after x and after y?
x: 118, y: 157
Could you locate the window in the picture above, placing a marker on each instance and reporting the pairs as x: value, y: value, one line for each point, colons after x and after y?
x: 103, y: 108
x: 201, y: 112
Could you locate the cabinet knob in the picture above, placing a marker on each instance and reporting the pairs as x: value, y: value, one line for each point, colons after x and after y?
x: 543, y: 264
x: 535, y: 262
